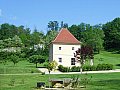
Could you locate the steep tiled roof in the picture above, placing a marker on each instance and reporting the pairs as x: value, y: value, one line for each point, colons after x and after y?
x: 64, y: 36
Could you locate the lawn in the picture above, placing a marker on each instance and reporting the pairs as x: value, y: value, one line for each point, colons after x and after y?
x: 26, y: 67
x: 27, y: 80
x: 110, y: 81
x: 107, y: 58
x: 20, y: 67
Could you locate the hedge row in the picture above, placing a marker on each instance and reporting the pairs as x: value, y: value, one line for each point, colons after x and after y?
x: 86, y: 68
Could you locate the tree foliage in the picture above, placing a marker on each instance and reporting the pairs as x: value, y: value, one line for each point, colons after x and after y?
x: 83, y: 53
x: 52, y: 66
x: 36, y: 59
x: 37, y: 38
x: 21, y: 37
x: 14, y: 58
x: 89, y: 35
x: 112, y: 34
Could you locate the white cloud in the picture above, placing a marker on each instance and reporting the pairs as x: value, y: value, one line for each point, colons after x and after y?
x: 0, y: 12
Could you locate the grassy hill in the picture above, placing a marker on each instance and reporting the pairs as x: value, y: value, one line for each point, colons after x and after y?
x: 107, y: 58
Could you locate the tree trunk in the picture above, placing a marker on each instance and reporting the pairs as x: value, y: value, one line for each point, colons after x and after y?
x: 36, y: 64
x: 14, y: 63
x: 98, y: 51
x: 49, y: 79
x: 81, y: 67
x: 91, y: 62
x: 81, y: 70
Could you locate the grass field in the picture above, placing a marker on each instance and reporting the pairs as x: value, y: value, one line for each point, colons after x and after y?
x: 26, y: 67
x: 107, y: 58
x: 110, y: 81
x: 20, y: 67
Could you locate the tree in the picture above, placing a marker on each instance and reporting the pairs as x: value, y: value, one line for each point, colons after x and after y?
x: 48, y: 38
x: 7, y: 42
x: 89, y: 35
x: 24, y: 34
x: 37, y: 38
x: 53, y: 25
x: 7, y: 31
x: 36, y: 59
x: 51, y: 65
x: 76, y: 31
x: 84, y: 53
x: 14, y: 58
x: 93, y: 37
x: 3, y: 57
x: 1, y: 44
x: 112, y: 34
x: 63, y: 25
x: 16, y: 41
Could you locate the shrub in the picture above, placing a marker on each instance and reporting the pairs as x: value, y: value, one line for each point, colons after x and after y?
x: 75, y: 69
x: 43, y: 73
x: 109, y: 66
x: 60, y: 67
x: 93, y: 68
x: 89, y: 68
x: 104, y: 67
x: 86, y: 68
x: 99, y: 67
x: 63, y: 69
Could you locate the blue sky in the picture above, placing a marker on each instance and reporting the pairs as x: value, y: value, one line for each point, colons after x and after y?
x: 37, y: 13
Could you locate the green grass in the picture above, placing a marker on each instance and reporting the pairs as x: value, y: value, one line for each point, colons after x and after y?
x: 20, y: 67
x: 110, y: 81
x: 107, y: 58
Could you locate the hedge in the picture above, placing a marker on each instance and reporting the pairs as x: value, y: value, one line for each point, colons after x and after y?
x: 86, y: 68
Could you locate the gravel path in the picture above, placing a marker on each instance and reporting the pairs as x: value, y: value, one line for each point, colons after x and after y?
x: 58, y: 72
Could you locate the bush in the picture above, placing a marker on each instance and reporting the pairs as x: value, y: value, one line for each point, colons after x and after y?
x: 63, y: 69
x: 60, y: 67
x: 43, y: 73
x: 104, y: 67
x: 75, y: 69
x: 89, y: 68
x: 86, y: 68
x: 93, y: 68
x: 109, y: 66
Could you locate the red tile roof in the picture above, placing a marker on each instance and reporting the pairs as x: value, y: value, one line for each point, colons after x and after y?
x: 64, y: 36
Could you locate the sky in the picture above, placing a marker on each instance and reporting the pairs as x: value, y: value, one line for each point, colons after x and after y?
x: 37, y: 13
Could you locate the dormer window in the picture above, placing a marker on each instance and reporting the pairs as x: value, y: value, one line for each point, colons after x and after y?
x: 59, y: 48
x: 72, y: 48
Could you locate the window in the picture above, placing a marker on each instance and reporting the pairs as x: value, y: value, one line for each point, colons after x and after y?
x: 59, y: 48
x: 72, y: 48
x: 60, y: 59
x: 72, y: 61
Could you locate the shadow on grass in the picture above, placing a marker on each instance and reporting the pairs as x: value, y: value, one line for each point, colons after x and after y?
x: 118, y: 65
x: 113, y: 84
x: 114, y: 51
